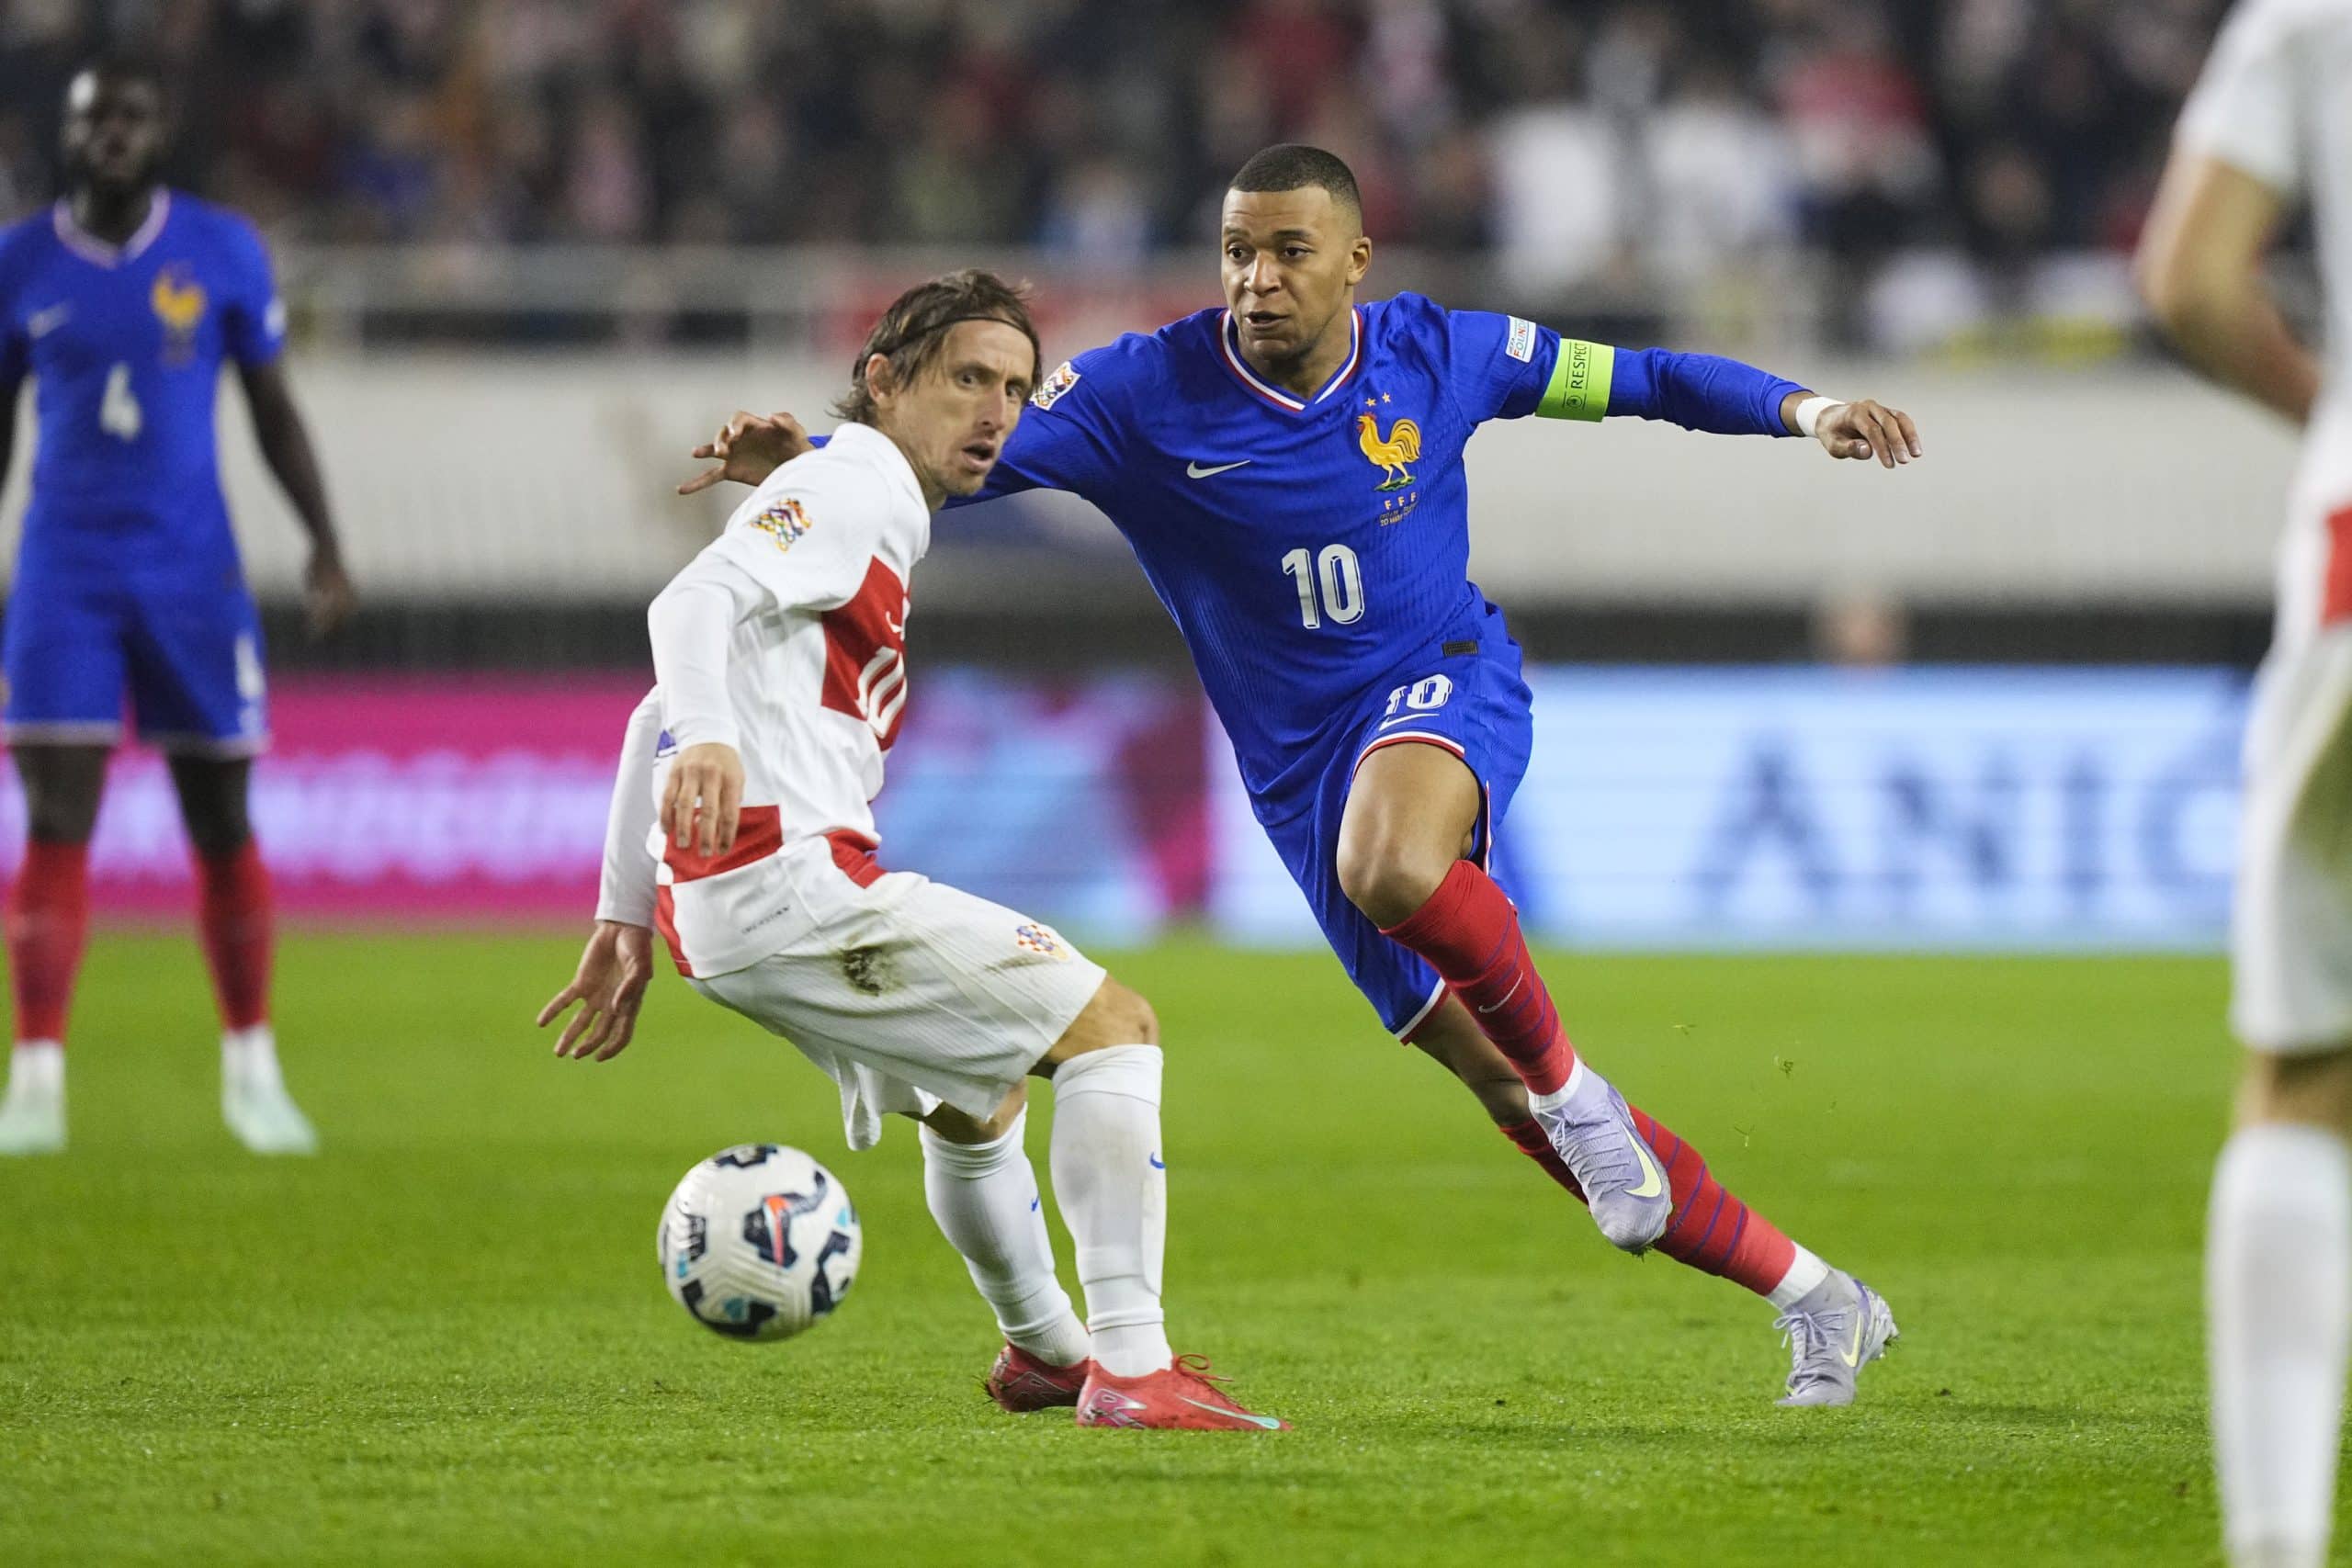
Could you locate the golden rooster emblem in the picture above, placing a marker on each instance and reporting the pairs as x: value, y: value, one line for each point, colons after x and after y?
x: 1403, y: 446
x: 178, y: 301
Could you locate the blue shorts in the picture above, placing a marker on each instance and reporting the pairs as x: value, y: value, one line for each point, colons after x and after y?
x: 187, y: 658
x: 1475, y: 705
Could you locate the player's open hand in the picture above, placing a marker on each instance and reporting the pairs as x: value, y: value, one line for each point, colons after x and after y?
x: 610, y: 987
x: 747, y: 449
x: 1869, y: 429
x: 703, y: 802
x: 328, y: 597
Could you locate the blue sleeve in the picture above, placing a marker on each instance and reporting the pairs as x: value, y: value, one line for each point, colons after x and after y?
x: 1066, y: 438
x: 253, y: 325
x: 1496, y: 365
x: 1697, y: 391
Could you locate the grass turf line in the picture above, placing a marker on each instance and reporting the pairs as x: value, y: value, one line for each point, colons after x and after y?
x: 445, y: 1340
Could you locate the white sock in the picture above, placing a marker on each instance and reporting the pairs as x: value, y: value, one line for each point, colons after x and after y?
x: 36, y: 1067
x: 1804, y: 1276
x: 985, y: 1198
x: 249, y: 1057
x: 2279, y: 1296
x: 1113, y: 1187
x: 1577, y: 1078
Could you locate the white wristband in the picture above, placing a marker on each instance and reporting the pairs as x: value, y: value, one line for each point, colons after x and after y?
x: 1809, y: 412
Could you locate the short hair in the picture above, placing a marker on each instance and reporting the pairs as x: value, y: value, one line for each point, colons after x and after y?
x: 914, y: 329
x: 125, y: 65
x: 1292, y: 166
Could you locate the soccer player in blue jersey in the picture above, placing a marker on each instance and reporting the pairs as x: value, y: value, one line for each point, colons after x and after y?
x: 122, y: 303
x: 1288, y: 470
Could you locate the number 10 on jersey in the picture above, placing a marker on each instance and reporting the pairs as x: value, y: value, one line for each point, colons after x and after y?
x: 1335, y: 572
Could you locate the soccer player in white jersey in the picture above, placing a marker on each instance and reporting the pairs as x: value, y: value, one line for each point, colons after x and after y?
x: 2269, y: 128
x: 742, y: 826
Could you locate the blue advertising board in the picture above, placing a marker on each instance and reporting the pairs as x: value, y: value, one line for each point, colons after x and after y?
x: 2007, y: 808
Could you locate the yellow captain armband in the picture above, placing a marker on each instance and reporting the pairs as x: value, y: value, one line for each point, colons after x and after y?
x: 1580, y: 379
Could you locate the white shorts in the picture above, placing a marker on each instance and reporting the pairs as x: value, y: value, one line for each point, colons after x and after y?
x: 2291, y: 935
x: 910, y: 993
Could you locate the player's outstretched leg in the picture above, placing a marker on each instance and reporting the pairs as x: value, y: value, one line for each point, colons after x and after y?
x: 2278, y: 1298
x: 48, y: 926
x: 1112, y: 1184
x: 1710, y: 1229
x: 983, y: 1192
x: 1412, y: 812
x: 236, y: 921
x: 1468, y: 931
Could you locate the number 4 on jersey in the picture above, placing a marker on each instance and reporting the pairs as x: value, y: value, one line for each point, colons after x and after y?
x: 119, y: 411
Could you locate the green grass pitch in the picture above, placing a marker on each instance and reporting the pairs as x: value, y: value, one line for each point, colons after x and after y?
x: 445, y: 1340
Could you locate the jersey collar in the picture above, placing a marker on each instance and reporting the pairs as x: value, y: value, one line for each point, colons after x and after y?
x: 92, y: 249
x: 1228, y: 341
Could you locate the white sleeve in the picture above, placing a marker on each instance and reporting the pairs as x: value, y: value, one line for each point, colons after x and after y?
x: 2243, y: 111
x: 690, y: 625
x: 802, y: 541
x: 625, y: 891
x: 807, y: 534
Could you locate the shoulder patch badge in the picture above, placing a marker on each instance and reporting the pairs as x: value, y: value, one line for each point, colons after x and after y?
x: 1051, y: 391
x: 1521, y: 346
x: 785, y: 520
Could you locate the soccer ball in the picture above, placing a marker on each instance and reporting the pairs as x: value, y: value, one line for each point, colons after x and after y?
x: 758, y: 1242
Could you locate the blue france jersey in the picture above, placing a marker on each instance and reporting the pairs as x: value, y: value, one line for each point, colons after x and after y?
x: 1312, y: 549
x: 125, y: 345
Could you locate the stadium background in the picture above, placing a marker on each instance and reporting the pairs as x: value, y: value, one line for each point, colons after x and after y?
x: 533, y: 250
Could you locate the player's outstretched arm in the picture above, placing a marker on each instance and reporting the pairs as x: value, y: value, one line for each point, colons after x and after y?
x: 285, y: 445
x: 747, y: 449
x: 1721, y: 397
x: 1860, y: 430
x: 617, y: 964
x: 2201, y: 270
x: 614, y: 969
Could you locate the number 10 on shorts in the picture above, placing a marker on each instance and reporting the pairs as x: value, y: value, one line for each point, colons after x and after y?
x: 1422, y: 697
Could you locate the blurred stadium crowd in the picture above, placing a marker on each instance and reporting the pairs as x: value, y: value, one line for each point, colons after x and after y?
x: 1576, y: 141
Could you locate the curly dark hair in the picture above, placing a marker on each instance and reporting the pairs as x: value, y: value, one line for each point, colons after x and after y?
x: 912, y: 331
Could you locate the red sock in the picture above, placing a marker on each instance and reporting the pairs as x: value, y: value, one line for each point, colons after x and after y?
x: 234, y: 918
x: 1533, y: 1142
x: 1469, y: 933
x: 1712, y: 1230
x: 48, y: 924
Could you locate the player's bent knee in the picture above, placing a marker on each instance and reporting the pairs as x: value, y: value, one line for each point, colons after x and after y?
x: 1387, y: 881
x: 959, y: 1127
x: 2313, y: 1087
x: 1117, y: 1016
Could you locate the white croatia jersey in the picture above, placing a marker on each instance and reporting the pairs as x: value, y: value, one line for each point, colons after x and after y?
x: 816, y: 683
x: 2275, y: 102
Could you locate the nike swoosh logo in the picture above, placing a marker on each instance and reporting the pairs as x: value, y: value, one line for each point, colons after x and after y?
x: 1194, y: 471
x: 41, y: 323
x: 1266, y: 1422
x: 1653, y: 1184
x: 1156, y: 1164
x: 1401, y: 719
x: 1853, y: 1357
x: 1507, y: 995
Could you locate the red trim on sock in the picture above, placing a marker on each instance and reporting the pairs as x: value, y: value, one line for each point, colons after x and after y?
x: 47, y: 927
x: 1713, y: 1230
x: 234, y: 918
x: 1468, y: 931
